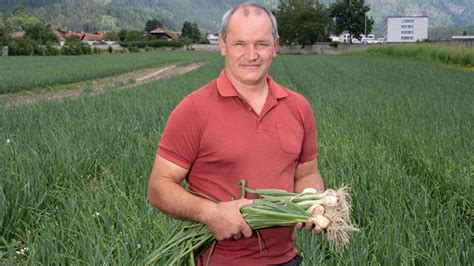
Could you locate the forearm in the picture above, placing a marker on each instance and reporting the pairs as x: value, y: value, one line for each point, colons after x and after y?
x: 307, y: 176
x: 223, y: 219
x: 173, y: 200
x: 312, y: 180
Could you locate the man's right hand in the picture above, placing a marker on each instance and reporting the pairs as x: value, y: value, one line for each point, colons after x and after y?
x: 226, y: 222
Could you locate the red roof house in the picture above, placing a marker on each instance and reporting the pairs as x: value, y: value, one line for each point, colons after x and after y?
x: 93, y: 38
x: 161, y: 33
x: 17, y: 34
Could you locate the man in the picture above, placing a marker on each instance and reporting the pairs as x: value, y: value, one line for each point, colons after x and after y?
x: 241, y: 125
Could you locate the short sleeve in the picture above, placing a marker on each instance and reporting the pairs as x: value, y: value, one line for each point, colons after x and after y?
x: 179, y: 142
x: 309, y: 150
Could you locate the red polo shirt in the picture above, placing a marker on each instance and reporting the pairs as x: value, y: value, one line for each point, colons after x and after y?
x: 215, y: 134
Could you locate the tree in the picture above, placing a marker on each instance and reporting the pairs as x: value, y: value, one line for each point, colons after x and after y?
x: 134, y: 35
x: 4, y: 37
x: 187, y: 30
x: 20, y: 20
x: 23, y: 46
x: 113, y: 36
x: 196, y: 33
x: 152, y: 24
x: 74, y: 46
x: 122, y: 34
x: 302, y: 22
x: 191, y: 32
x: 41, y: 33
x: 351, y: 16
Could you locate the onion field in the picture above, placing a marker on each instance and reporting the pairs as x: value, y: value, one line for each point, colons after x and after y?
x: 73, y: 173
x: 25, y: 73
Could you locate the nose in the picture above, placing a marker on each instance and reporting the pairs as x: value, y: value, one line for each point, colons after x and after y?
x: 251, y: 53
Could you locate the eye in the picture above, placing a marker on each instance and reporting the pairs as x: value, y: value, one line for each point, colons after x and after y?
x: 263, y: 44
x: 239, y: 44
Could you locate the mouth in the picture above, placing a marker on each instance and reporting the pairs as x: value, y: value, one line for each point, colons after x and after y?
x: 250, y: 66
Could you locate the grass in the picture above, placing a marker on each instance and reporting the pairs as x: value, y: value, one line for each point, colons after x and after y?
x: 73, y: 175
x: 457, y: 56
x: 24, y: 73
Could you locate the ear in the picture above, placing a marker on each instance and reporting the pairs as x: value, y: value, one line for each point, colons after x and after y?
x: 221, y: 42
x: 276, y: 47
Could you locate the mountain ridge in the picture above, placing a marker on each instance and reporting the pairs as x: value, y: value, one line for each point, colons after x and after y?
x: 112, y: 15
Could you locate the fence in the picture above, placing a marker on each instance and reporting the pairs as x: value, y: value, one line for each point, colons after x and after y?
x: 322, y: 48
x: 468, y: 43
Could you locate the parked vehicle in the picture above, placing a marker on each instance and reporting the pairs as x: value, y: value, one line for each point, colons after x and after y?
x: 345, y: 38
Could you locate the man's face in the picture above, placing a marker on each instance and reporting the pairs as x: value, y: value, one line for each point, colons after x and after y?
x: 249, y: 47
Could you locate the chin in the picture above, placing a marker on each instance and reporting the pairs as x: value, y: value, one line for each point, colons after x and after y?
x: 252, y: 75
x: 252, y: 80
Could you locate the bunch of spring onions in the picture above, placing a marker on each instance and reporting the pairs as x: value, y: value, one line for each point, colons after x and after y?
x: 330, y: 210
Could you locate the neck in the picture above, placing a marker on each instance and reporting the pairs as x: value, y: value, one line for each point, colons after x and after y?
x: 255, y: 94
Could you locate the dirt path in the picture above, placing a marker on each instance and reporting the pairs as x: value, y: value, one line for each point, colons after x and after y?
x: 128, y: 80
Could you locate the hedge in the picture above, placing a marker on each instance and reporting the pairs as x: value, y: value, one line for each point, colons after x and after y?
x: 156, y: 44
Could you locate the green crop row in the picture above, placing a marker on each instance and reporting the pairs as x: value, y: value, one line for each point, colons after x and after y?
x: 22, y: 73
x: 461, y: 56
x: 73, y: 173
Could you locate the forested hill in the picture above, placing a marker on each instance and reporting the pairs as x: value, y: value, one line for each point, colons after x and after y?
x: 107, y: 15
x: 113, y: 15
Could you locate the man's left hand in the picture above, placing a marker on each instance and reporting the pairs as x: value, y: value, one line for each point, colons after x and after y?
x: 309, y: 226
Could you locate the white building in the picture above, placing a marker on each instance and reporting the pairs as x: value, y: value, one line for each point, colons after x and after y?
x: 405, y: 29
x: 212, y: 38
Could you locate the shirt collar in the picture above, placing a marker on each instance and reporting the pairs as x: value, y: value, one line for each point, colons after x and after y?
x: 226, y: 89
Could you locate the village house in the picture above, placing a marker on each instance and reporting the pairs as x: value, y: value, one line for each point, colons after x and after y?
x: 161, y: 33
x: 61, y: 36
x: 93, y: 38
x: 85, y: 37
x: 17, y: 34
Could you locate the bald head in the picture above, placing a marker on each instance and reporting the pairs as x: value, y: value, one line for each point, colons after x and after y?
x: 248, y: 9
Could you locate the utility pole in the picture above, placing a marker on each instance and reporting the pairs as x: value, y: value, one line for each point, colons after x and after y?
x: 350, y: 17
x: 365, y: 24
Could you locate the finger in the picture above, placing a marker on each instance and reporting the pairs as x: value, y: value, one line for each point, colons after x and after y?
x: 244, y: 202
x: 299, y: 225
x: 237, y: 236
x: 246, y: 231
x: 308, y: 225
x: 317, y: 230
